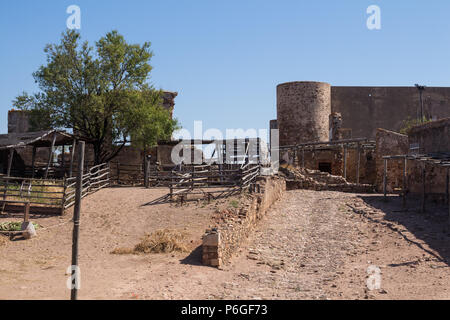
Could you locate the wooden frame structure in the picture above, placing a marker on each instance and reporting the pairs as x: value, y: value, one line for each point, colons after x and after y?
x: 434, y: 159
x: 213, y: 179
x: 42, y: 139
x: 360, y: 144
x: 50, y: 196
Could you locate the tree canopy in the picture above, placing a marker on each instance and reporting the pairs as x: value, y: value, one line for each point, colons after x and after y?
x: 101, y: 94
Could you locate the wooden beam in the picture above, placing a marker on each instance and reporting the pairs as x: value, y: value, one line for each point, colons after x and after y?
x: 10, y: 161
x: 76, y: 221
x: 50, y: 156
x: 72, y: 156
x: 235, y: 151
x: 33, y: 162
x: 63, y: 160
x: 258, y: 151
x: 26, y: 212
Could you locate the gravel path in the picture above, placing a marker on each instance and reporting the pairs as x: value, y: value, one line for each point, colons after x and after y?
x: 299, y: 248
x: 319, y: 245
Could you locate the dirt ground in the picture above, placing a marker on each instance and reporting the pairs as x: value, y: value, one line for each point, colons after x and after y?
x: 310, y: 245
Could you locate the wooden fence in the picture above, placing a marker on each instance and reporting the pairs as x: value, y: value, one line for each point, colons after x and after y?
x: 56, y: 171
x: 127, y: 174
x: 98, y: 177
x: 207, y: 181
x: 219, y: 177
x: 49, y: 196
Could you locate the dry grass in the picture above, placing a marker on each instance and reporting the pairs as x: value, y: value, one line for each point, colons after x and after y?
x: 160, y: 241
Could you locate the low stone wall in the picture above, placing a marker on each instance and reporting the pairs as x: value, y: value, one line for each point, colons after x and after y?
x: 300, y: 178
x: 348, y: 187
x: 221, y: 242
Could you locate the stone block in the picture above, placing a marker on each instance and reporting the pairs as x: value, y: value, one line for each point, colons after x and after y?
x: 212, y: 239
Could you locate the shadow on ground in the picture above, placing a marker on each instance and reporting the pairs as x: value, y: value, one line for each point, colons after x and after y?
x: 432, y: 227
x: 194, y: 258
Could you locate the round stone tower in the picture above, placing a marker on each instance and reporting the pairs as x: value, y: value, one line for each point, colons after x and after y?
x: 303, y: 110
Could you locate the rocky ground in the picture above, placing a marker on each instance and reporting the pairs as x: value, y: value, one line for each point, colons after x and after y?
x: 310, y: 245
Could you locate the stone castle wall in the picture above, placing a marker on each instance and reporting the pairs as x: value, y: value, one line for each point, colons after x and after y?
x: 365, y: 109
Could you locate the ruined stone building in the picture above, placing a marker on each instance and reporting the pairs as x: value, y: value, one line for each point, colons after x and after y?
x: 370, y: 117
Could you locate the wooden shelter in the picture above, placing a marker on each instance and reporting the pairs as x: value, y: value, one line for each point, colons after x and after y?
x: 15, y: 150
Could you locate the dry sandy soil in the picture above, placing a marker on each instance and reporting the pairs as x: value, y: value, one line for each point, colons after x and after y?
x: 310, y: 245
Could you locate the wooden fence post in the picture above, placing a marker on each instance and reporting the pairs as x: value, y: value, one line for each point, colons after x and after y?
x: 50, y: 155
x: 26, y: 213
x: 10, y: 161
x: 109, y: 174
x: 8, y: 174
x: 63, y: 160
x: 258, y: 150
x: 64, y: 196
x: 76, y: 220
x: 72, y: 156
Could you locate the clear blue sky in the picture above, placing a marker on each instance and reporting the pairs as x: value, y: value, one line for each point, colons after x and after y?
x: 225, y: 58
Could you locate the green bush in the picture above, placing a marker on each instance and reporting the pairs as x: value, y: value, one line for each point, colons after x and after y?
x: 409, y: 123
x: 14, y: 226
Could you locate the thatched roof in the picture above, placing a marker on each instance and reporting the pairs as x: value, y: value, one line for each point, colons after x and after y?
x: 37, y: 139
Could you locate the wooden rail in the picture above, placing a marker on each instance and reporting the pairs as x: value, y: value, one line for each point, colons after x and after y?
x: 51, y: 194
x: 189, y: 178
x: 98, y: 177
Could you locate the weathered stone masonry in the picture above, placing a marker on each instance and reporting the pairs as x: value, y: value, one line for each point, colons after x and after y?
x: 220, y: 243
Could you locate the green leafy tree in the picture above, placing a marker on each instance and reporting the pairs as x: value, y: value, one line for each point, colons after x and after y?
x: 101, y: 94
